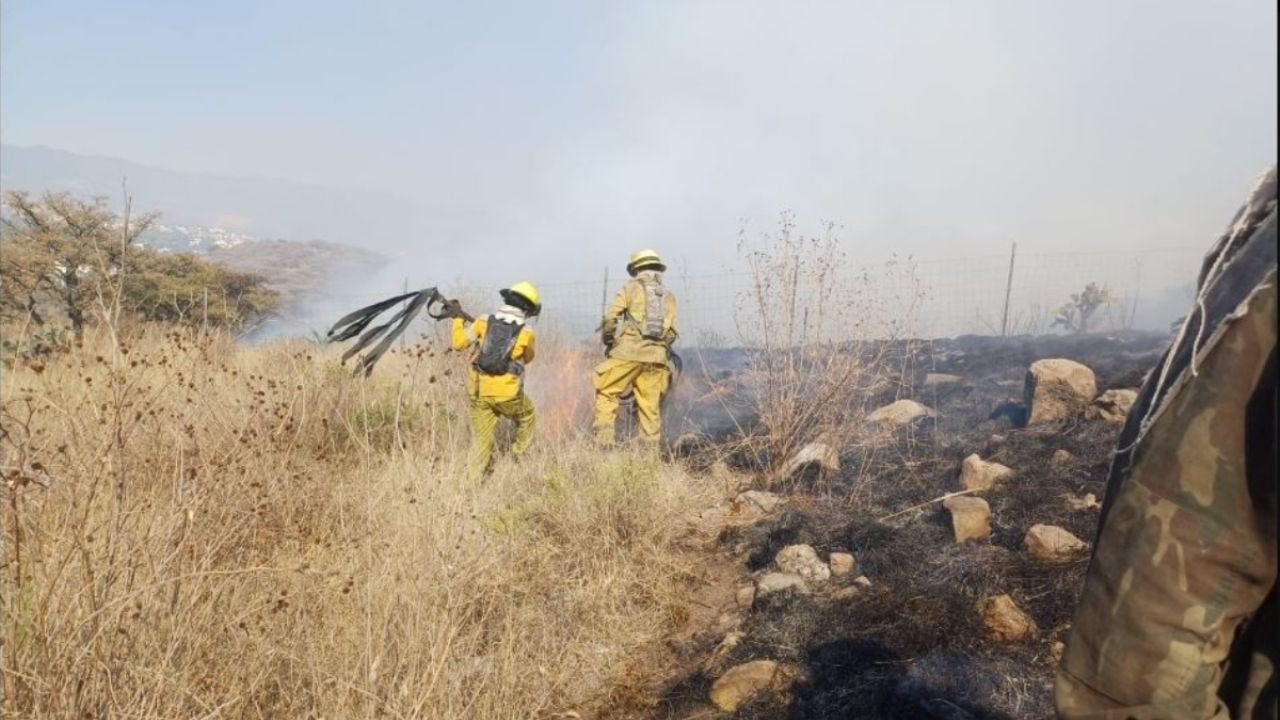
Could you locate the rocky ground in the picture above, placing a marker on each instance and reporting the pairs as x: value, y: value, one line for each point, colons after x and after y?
x: 929, y: 573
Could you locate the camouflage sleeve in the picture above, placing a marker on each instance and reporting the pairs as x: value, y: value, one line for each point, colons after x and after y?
x: 1187, y: 550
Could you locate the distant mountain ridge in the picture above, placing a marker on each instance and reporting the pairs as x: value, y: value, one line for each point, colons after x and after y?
x: 304, y: 240
x: 257, y: 207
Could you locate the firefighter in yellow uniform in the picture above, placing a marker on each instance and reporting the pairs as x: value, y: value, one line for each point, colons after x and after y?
x: 638, y: 331
x: 495, y: 383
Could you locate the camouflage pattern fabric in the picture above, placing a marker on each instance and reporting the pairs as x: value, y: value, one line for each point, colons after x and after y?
x: 1177, y: 615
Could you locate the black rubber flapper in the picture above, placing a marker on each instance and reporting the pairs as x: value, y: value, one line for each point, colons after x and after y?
x: 354, y: 323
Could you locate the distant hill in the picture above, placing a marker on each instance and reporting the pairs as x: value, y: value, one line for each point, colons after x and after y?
x: 256, y: 207
x: 191, y: 238
x: 299, y: 271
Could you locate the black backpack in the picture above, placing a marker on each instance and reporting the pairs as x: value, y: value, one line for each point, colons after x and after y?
x: 494, y: 357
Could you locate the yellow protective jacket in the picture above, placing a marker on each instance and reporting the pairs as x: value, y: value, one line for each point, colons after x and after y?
x: 625, y: 318
x: 479, y: 384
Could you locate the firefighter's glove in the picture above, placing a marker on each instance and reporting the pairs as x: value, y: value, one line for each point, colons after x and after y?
x: 452, y: 309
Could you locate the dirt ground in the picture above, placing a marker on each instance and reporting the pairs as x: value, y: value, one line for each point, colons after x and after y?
x: 911, y: 644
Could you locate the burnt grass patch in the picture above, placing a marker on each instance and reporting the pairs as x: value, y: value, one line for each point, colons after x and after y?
x: 912, y: 645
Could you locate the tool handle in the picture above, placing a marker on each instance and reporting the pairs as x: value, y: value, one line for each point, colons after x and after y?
x: 447, y: 309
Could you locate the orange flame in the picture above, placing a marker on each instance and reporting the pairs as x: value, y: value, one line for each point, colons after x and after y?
x: 559, y: 382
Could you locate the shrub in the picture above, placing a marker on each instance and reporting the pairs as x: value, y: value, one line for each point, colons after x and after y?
x: 185, y: 289
x: 1075, y: 315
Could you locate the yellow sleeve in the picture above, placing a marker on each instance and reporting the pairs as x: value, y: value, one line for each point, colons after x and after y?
x: 462, y: 338
x: 620, y: 303
x: 524, y: 346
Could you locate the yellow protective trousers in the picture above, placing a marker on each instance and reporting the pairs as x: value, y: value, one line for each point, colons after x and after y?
x: 613, y: 378
x: 485, y: 414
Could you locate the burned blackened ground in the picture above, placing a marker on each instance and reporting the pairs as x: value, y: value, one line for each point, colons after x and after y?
x: 911, y: 645
x: 714, y: 397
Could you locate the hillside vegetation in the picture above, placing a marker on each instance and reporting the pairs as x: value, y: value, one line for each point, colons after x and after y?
x: 69, y: 263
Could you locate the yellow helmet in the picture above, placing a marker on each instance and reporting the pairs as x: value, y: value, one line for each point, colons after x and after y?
x: 646, y: 259
x: 524, y: 290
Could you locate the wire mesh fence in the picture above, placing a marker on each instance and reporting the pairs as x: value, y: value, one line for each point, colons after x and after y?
x: 1012, y: 294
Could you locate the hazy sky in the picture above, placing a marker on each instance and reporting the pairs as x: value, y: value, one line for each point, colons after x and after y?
x: 939, y: 128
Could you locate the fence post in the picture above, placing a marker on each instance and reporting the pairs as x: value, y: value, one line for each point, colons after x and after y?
x: 1008, y: 290
x: 604, y: 292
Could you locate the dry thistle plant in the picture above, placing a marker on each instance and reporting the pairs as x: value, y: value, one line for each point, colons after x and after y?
x: 822, y: 335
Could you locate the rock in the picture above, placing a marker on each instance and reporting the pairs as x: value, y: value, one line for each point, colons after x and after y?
x: 763, y: 501
x: 1088, y: 502
x: 1050, y: 542
x: 776, y: 582
x: 847, y: 593
x: 742, y: 682
x: 862, y: 581
x: 1056, y: 651
x: 1056, y: 389
x: 745, y: 597
x: 1113, y: 405
x: 1004, y: 620
x: 1061, y: 457
x: 841, y: 563
x: 727, y: 622
x: 995, y: 442
x: 978, y: 474
x: 803, y: 560
x: 820, y: 454
x: 970, y: 517
x: 900, y: 413
x: 752, y: 505
x: 935, y: 379
x: 730, y: 642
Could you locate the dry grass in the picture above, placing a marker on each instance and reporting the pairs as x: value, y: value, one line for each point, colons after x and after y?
x: 194, y: 529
